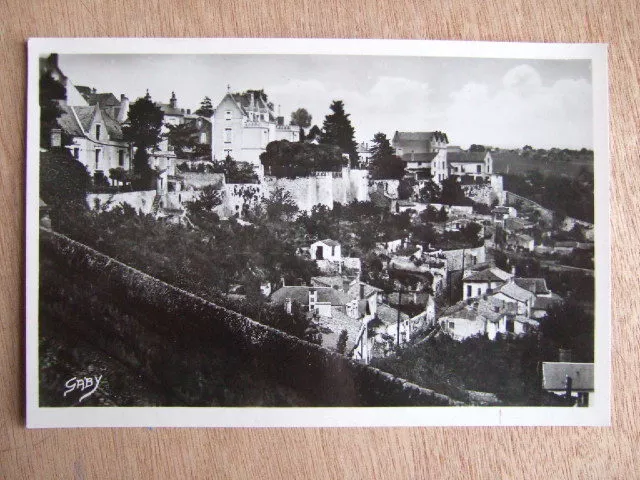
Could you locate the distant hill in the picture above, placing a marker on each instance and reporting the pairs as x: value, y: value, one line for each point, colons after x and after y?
x: 513, y: 163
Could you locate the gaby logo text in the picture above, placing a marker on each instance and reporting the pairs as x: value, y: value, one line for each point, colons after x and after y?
x: 82, y: 385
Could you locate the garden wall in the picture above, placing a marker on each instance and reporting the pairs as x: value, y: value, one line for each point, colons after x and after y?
x: 318, y: 375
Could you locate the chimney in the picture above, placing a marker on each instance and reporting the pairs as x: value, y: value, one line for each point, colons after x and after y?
x: 282, y: 281
x: 124, y: 108
x: 361, y: 291
x: 173, y: 101
x: 513, y: 270
x: 287, y: 305
x: 56, y: 137
x: 188, y: 111
x: 94, y: 90
x: 564, y: 355
x: 252, y: 102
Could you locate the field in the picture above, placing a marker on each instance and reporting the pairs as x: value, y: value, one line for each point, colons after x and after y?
x: 510, y: 162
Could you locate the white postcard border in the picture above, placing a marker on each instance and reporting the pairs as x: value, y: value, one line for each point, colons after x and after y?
x: 596, y: 415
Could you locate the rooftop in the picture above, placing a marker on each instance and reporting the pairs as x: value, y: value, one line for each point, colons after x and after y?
x: 537, y: 286
x: 466, y: 157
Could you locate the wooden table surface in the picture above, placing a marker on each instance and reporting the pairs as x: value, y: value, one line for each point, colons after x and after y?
x: 327, y: 453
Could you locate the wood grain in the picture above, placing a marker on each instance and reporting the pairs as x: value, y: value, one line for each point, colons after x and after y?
x: 327, y: 453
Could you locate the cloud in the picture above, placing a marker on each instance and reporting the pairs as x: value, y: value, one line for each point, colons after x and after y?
x: 522, y: 111
x: 389, y: 104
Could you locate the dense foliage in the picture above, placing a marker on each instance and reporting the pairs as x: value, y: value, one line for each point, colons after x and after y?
x: 507, y: 368
x: 384, y: 163
x: 205, y: 109
x: 291, y: 160
x: 572, y: 196
x: 143, y: 129
x: 337, y: 130
x: 50, y: 91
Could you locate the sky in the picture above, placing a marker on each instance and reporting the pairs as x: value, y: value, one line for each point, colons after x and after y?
x: 506, y: 103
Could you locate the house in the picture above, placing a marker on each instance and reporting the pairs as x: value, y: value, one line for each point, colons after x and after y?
x: 573, y: 380
x: 244, y: 124
x: 333, y: 308
x: 364, y: 154
x: 484, y: 316
x: 500, y: 214
x: 326, y: 249
x: 423, y: 153
x: 118, y: 109
x: 92, y: 128
x: 475, y: 165
x: 96, y: 140
x: 511, y: 293
x: 520, y: 242
x: 391, y: 246
x: 477, y: 283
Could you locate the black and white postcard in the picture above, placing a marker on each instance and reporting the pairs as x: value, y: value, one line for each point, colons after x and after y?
x: 284, y: 232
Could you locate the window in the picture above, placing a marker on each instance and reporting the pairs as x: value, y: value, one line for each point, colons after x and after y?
x: 452, y: 325
x: 121, y: 158
x: 227, y: 135
x: 469, y: 291
x: 203, y: 137
x: 479, y: 291
x: 227, y: 115
x: 479, y: 169
x: 76, y: 153
x: 509, y: 326
x: 97, y: 159
x: 97, y: 132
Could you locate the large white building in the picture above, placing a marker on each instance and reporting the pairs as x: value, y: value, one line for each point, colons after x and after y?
x: 424, y: 154
x: 244, y: 124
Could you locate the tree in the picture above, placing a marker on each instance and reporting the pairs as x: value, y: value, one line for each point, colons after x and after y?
x: 63, y: 183
x: 280, y: 205
x: 205, y: 109
x: 337, y: 130
x: 207, y: 200
x: 314, y: 134
x: 301, y: 118
x: 285, y: 159
x: 50, y: 92
x: 143, y: 130
x: 384, y: 164
x: 406, y: 188
x: 182, y: 138
x: 341, y: 345
x: 430, y: 192
x: 452, y: 193
x: 477, y: 148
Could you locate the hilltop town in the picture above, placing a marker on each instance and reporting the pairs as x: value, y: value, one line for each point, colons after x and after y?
x: 407, y: 253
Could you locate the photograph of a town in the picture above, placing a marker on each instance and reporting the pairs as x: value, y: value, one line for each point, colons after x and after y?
x: 315, y: 230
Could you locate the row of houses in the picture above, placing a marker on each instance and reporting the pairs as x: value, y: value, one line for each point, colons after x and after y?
x: 241, y: 126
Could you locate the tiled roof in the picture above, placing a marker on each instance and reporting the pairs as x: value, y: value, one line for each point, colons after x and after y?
x: 389, y: 315
x: 487, y: 275
x: 545, y: 303
x: 167, y: 109
x: 514, y: 291
x: 419, y: 136
x: 536, y: 286
x: 104, y: 99
x: 419, y: 157
x: 336, y: 323
x: 554, y: 375
x: 300, y: 294
x: 331, y: 243
x: 68, y: 122
x: 466, y: 157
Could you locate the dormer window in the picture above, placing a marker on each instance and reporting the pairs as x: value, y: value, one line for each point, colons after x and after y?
x: 227, y: 115
x: 98, y: 132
